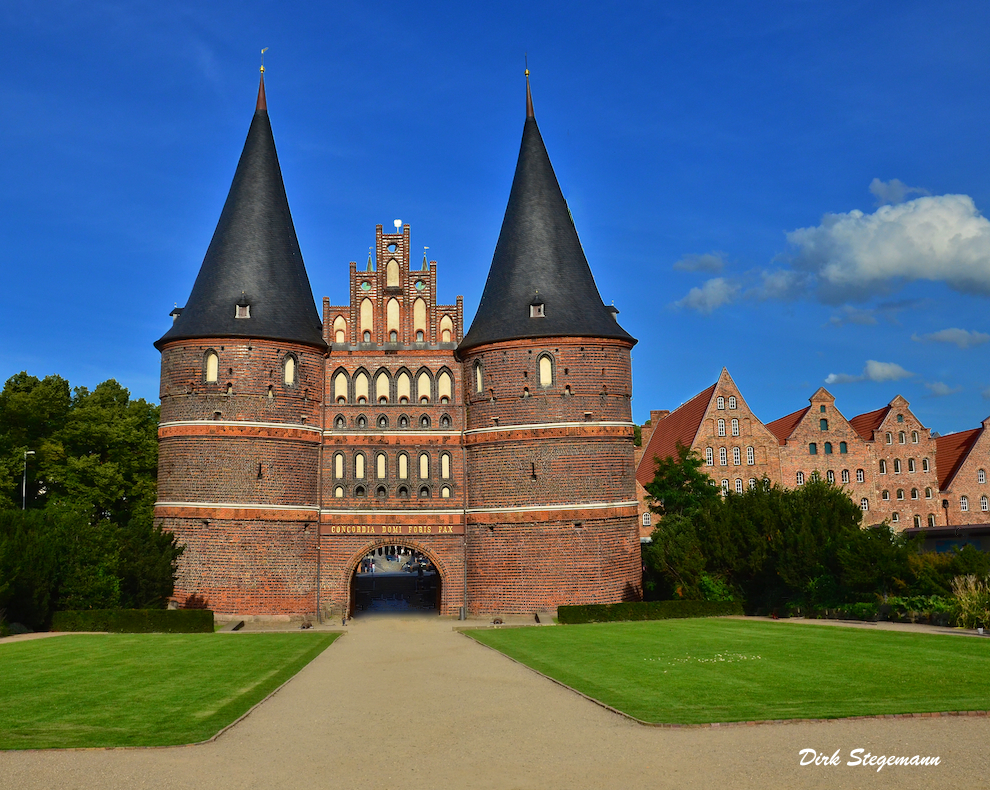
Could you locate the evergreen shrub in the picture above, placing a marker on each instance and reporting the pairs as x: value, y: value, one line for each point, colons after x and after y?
x: 645, y: 610
x: 136, y: 621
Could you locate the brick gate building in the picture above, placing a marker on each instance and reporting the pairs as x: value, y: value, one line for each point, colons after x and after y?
x: 291, y: 445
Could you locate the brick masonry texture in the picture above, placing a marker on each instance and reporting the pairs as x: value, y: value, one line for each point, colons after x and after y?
x: 526, y: 500
x: 966, y: 483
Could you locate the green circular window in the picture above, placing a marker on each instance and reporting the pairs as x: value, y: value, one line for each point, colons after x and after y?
x: 420, y: 285
x: 365, y: 286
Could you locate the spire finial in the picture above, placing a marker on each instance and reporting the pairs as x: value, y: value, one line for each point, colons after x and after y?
x: 262, y: 104
x: 529, y: 96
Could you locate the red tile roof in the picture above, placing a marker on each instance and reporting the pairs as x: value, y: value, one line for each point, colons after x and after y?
x: 785, y: 426
x: 680, y: 426
x: 866, y: 424
x: 951, y: 451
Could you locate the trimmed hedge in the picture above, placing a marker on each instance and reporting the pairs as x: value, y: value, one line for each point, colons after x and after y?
x: 136, y: 621
x: 645, y: 610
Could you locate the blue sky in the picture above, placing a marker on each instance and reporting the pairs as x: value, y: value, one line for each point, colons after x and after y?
x: 793, y: 190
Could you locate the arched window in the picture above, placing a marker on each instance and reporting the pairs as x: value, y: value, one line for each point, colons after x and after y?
x: 799, y: 478
x: 359, y: 466
x: 419, y: 320
x: 750, y: 455
x: 380, y: 466
x: 423, y: 387
x: 812, y: 449
x: 392, y: 321
x: 424, y: 492
x: 338, y: 466
x: 928, y: 493
x: 964, y: 504
x: 211, y: 367
x: 446, y: 330
x: 924, y: 465
x: 367, y: 319
x: 883, y: 467
x: 709, y: 456
x: 720, y: 402
x: 403, y: 492
x: 901, y: 438
x: 732, y: 401
x: 723, y: 457
x: 845, y: 475
x: 931, y: 519
x: 445, y: 466
x: 828, y: 448
x: 445, y: 492
x: 647, y: 519
x: 843, y: 448
x: 444, y: 387
x: 752, y: 484
x: 361, y: 387
x: 403, y: 385
x: 381, y: 492
x: 339, y: 329
x: 424, y: 421
x: 981, y: 476
x: 424, y: 466
x: 860, y: 476
x: 381, y: 387
x: 911, y: 466
x: 403, y: 466
x: 721, y: 427
x: 736, y: 456
x: 890, y: 438
x: 895, y: 518
x: 445, y: 421
x: 830, y: 476
x: 725, y: 486
x: 339, y: 423
x: 914, y: 493
x: 479, y: 381
x: 546, y: 370
x: 340, y: 387
x: 984, y: 503
x: 392, y: 274
x: 900, y: 493
x: 289, y: 370
x: 917, y: 522
x: 914, y: 437
x: 382, y: 421
x: 739, y: 485
x: 864, y: 504
x: 897, y: 466
x: 735, y: 427
x: 359, y: 491
x: 823, y: 424
x: 885, y: 495
x: 338, y: 492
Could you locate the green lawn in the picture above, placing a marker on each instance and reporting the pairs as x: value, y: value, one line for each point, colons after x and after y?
x: 140, y: 689
x: 720, y: 670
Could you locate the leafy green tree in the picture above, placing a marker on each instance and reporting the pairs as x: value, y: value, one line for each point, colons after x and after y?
x: 875, y: 561
x: 679, y: 486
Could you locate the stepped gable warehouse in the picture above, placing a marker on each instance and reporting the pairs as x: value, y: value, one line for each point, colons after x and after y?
x: 291, y: 448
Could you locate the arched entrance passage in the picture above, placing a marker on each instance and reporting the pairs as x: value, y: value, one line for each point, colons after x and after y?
x: 395, y: 575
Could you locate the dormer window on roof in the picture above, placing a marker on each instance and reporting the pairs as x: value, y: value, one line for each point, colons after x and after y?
x: 243, y: 307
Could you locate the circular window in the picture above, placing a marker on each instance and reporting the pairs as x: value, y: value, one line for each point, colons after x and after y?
x: 392, y: 247
x: 420, y: 285
x: 365, y: 286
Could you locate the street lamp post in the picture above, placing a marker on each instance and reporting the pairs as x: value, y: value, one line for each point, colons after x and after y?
x: 24, y: 480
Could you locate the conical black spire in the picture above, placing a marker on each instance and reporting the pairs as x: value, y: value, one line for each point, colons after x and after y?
x: 540, y: 284
x: 253, y: 261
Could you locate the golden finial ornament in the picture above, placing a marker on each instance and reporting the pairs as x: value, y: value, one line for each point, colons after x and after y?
x: 263, y: 59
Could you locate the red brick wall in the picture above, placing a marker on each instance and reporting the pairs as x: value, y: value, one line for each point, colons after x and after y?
x: 966, y: 483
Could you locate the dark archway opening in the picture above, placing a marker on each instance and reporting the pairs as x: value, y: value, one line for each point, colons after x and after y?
x: 395, y: 579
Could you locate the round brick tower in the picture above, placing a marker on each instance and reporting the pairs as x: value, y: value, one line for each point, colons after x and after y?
x: 241, y: 394
x: 551, y: 504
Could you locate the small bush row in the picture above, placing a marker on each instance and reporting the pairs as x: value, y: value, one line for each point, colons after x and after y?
x: 136, y: 621
x: 645, y: 610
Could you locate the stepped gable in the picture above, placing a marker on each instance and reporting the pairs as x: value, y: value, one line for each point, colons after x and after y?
x: 679, y: 427
x: 254, y: 259
x: 539, y: 261
x: 785, y: 426
x: 951, y: 451
x: 866, y: 424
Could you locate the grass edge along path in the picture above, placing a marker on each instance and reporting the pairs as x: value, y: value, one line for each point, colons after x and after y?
x: 709, y: 672
x: 142, y: 690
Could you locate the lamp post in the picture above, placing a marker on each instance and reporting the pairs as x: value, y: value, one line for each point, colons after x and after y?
x: 24, y: 479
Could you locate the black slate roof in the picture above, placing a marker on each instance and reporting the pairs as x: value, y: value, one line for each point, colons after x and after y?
x: 539, y: 259
x: 253, y: 259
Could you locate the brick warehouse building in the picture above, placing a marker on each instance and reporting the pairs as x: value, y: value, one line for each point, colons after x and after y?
x: 290, y: 447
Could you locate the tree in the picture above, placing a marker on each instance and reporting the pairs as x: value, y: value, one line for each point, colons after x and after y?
x: 679, y: 486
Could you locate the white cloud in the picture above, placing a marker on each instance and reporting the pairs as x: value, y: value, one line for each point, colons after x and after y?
x: 709, y: 262
x: 710, y: 296
x: 939, y: 389
x: 857, y: 255
x: 959, y: 337
x: 893, y: 191
x: 780, y: 284
x: 874, y: 371
x: 853, y: 315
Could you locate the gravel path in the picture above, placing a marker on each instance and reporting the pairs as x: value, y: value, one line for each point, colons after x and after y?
x: 407, y: 702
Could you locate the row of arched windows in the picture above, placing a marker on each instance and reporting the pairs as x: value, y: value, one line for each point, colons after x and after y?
x: 844, y: 476
x: 901, y: 437
x: 723, y: 456
x: 895, y: 518
x: 738, y: 488
x: 899, y: 494
x: 912, y: 465
x: 393, y: 323
x: 402, y: 467
x: 733, y: 423
x: 382, y: 422
x: 964, y: 503
x: 382, y: 492
x: 720, y: 403
x: 383, y: 387
x: 211, y: 368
